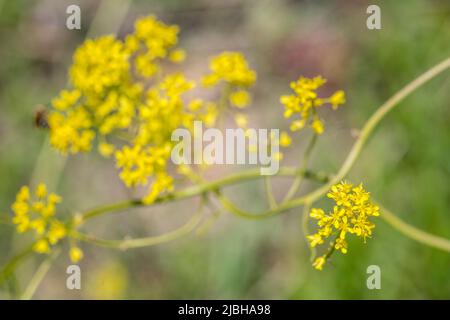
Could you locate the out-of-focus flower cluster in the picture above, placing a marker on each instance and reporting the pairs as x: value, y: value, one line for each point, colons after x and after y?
x: 230, y: 69
x: 350, y: 215
x: 35, y: 212
x: 121, y: 100
x: 305, y: 102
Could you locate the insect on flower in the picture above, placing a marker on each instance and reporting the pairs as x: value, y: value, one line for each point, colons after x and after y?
x: 40, y: 117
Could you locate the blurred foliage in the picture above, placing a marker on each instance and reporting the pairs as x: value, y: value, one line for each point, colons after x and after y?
x: 405, y: 166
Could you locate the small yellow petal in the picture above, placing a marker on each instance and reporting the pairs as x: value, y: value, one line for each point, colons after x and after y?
x: 76, y: 254
x: 41, y: 191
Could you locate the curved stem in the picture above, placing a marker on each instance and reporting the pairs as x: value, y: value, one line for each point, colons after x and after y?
x: 269, y: 192
x: 314, y: 195
x: 9, y: 267
x: 413, y: 232
x: 203, y: 188
x: 372, y: 123
x: 305, y: 229
x: 39, y: 276
x: 304, y: 163
x: 361, y: 141
x: 230, y: 207
x: 146, y: 241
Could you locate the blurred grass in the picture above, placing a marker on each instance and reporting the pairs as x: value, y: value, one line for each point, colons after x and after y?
x: 405, y: 165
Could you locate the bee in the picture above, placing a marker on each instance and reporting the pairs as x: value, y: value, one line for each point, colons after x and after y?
x: 40, y: 117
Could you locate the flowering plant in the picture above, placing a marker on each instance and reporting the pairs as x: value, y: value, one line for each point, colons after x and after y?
x: 124, y: 102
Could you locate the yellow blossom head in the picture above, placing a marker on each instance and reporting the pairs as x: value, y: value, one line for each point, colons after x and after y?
x: 305, y: 101
x: 350, y: 215
x: 36, y: 214
x: 232, y: 68
x: 75, y: 254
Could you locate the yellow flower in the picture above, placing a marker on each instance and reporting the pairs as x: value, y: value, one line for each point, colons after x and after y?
x: 109, y: 98
x: 177, y: 55
x: 41, y: 246
x: 20, y: 207
x: 297, y: 125
x: 152, y: 41
x: 22, y: 222
x: 232, y: 68
x: 136, y: 164
x: 23, y: 194
x: 350, y: 215
x: 36, y: 214
x: 71, y: 132
x: 319, y: 262
x: 108, y: 281
x: 317, y: 126
x: 241, y: 120
x: 305, y: 102
x: 76, y: 254
x: 341, y: 244
x: 98, y: 65
x: 162, y: 183
x: 240, y: 99
x: 39, y: 225
x: 54, y: 198
x: 317, y: 213
x: 285, y: 139
x: 337, y: 99
x: 41, y: 191
x: 66, y: 99
x: 315, y: 239
x: 56, y: 232
x: 106, y: 149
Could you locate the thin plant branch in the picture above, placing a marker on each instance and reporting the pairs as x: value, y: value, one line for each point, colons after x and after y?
x: 39, y: 275
x: 146, y: 241
x: 413, y: 232
x: 304, y: 164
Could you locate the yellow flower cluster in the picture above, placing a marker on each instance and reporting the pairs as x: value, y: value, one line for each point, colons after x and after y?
x: 231, y: 68
x: 305, y: 101
x: 162, y: 112
x: 282, y: 141
x: 152, y: 41
x: 112, y: 103
x: 103, y: 98
x: 131, y: 120
x: 36, y: 212
x: 350, y: 214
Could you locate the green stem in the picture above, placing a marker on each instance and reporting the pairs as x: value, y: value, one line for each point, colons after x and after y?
x: 314, y: 195
x: 305, y: 229
x: 39, y: 276
x: 372, y: 123
x: 203, y: 188
x: 269, y: 192
x: 413, y: 232
x: 360, y: 142
x: 332, y: 248
x: 10, y: 266
x: 304, y: 163
x: 146, y: 241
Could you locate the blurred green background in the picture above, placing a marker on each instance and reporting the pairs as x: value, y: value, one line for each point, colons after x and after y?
x: 405, y: 165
